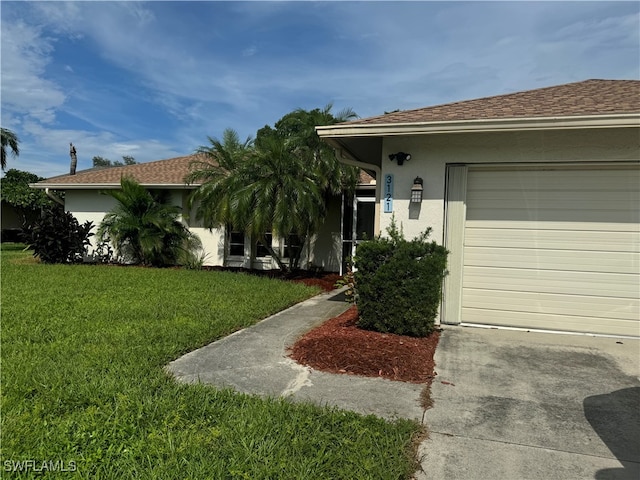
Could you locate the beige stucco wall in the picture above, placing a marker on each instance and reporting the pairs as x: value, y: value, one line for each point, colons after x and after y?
x: 431, y: 153
x: 88, y: 205
x: 325, y: 248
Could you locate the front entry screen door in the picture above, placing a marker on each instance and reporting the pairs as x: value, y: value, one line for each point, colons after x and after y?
x: 358, y: 224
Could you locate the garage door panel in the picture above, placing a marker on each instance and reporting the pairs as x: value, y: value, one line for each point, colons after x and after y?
x: 583, y: 200
x: 608, y: 178
x: 620, y: 262
x: 612, y: 225
x: 553, y: 248
x: 534, y: 239
x: 577, y: 213
x: 535, y: 321
x: 554, y: 304
x: 545, y: 281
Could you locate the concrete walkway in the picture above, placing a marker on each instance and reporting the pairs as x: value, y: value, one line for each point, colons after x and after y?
x: 507, y: 404
x: 255, y: 361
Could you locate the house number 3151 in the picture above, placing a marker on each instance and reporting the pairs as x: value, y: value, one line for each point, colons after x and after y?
x: 388, y: 193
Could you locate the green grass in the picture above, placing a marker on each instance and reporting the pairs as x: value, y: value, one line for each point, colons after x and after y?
x: 83, y: 349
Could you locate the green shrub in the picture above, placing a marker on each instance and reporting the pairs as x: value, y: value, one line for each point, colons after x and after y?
x: 57, y: 237
x: 399, y: 283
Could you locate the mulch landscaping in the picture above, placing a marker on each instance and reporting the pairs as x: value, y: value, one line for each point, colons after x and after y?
x: 339, y: 346
x: 326, y: 282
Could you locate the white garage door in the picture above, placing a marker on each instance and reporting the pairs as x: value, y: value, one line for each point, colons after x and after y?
x: 553, y: 248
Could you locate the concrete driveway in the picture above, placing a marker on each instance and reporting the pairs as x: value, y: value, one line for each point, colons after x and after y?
x: 523, y: 405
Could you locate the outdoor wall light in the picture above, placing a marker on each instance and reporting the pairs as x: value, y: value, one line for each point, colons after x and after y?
x: 416, y: 190
x: 400, y: 157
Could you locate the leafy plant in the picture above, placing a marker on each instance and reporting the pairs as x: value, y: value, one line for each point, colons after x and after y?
x: 11, y: 141
x: 193, y: 259
x: 278, y: 184
x: 399, y: 283
x: 27, y: 202
x: 145, y: 228
x: 58, y: 237
x: 99, y: 161
x: 348, y: 281
x: 102, y: 253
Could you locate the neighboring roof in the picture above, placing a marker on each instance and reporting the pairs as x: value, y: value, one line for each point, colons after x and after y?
x: 161, y: 173
x: 366, y: 179
x: 590, y: 97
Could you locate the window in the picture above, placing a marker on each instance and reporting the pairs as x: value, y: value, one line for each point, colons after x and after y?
x: 236, y: 244
x: 292, y: 246
x: 261, y: 250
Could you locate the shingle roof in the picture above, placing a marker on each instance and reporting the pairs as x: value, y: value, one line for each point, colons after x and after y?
x: 170, y: 172
x: 160, y: 172
x: 366, y: 179
x: 589, y: 97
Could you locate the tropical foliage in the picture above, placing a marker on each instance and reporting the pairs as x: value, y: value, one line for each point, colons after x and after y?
x: 15, y: 191
x: 58, y: 237
x: 9, y: 140
x: 278, y: 185
x: 398, y: 283
x: 145, y: 228
x: 99, y: 161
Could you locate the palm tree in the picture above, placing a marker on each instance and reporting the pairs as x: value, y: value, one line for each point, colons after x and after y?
x: 279, y: 184
x: 335, y: 176
x: 10, y: 140
x: 144, y: 228
x: 223, y: 158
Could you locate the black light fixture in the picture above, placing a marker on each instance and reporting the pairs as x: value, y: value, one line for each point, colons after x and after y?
x: 416, y: 190
x: 400, y: 157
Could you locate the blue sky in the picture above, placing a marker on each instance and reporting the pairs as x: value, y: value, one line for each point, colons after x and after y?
x: 154, y: 79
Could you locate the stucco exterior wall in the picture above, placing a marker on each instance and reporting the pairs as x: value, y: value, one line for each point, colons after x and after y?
x: 88, y: 205
x: 325, y: 248
x: 430, y: 155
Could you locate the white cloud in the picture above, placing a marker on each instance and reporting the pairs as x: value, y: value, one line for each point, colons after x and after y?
x: 246, y: 64
x: 25, y: 91
x: 55, y: 142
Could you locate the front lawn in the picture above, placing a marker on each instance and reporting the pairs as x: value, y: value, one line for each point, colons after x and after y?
x: 83, y: 349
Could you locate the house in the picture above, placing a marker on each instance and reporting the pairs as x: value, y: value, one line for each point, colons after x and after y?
x: 11, y: 222
x: 221, y: 247
x: 536, y: 195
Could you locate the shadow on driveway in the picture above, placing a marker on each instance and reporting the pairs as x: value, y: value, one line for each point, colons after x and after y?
x: 615, y: 417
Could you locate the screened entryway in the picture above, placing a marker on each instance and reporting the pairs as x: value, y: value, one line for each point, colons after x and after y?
x: 358, y: 223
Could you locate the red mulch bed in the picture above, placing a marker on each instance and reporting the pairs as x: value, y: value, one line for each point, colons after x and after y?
x: 326, y: 282
x: 339, y: 346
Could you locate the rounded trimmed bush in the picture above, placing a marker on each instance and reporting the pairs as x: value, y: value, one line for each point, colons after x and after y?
x: 399, y: 283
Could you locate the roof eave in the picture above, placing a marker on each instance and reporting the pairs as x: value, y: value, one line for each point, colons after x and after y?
x: 482, y: 125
